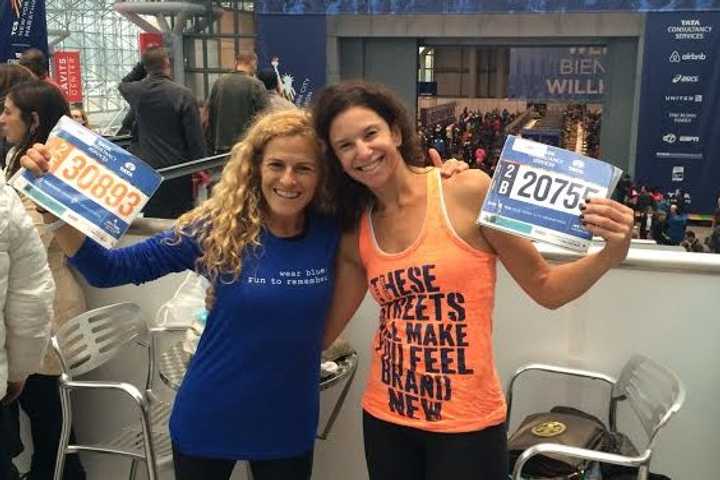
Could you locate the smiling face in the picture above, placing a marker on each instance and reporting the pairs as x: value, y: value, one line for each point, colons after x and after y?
x: 12, y: 126
x: 366, y: 145
x: 289, y: 176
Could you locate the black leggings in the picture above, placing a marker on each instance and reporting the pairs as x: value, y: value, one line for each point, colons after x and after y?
x: 192, y: 468
x: 40, y: 399
x: 7, y: 445
x: 395, y: 452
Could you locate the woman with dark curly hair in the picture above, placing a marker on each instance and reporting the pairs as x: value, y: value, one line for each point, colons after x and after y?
x: 433, y: 408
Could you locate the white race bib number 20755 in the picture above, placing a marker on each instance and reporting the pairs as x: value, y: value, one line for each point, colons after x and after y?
x: 546, y: 188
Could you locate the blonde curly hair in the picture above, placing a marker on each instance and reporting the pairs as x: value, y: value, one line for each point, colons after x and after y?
x: 231, y: 221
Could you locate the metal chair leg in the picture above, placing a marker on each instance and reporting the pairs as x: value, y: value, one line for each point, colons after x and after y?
x: 133, y: 469
x: 150, y: 461
x: 64, y: 433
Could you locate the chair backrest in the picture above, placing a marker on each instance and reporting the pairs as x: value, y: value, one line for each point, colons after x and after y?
x: 654, y: 392
x: 90, y: 339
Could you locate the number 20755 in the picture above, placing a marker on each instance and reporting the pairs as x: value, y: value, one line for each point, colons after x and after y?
x: 548, y: 189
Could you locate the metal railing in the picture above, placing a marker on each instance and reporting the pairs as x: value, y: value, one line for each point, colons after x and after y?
x: 187, y: 168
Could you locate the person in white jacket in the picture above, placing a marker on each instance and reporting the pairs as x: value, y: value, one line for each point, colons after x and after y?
x: 26, y: 297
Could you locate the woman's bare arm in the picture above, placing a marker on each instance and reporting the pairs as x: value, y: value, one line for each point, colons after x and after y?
x: 350, y: 288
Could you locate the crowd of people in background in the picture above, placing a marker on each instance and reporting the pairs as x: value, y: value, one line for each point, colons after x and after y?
x: 475, y: 137
x: 575, y: 115
x: 478, y: 137
x: 663, y: 217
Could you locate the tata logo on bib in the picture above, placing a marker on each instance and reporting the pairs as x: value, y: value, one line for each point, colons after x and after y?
x: 669, y: 138
x: 577, y: 166
x: 128, y: 168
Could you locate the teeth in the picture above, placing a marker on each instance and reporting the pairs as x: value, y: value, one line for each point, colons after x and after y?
x: 289, y: 195
x: 369, y: 166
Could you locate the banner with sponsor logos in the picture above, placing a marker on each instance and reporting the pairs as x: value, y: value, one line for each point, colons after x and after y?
x: 558, y: 73
x: 678, y: 140
x: 293, y: 46
x: 395, y: 7
x: 67, y: 74
x: 22, y: 26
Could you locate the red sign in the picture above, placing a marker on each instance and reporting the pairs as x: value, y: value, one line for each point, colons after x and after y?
x: 66, y: 73
x: 149, y: 39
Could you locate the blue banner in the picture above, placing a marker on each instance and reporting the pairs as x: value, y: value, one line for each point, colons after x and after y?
x: 678, y: 140
x: 22, y: 26
x: 558, y: 73
x: 396, y: 7
x: 294, y: 46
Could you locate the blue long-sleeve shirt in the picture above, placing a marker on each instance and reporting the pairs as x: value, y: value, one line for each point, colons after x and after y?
x: 252, y: 388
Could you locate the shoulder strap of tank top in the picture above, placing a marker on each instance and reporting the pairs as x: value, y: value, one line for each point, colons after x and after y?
x: 364, y: 237
x: 435, y: 215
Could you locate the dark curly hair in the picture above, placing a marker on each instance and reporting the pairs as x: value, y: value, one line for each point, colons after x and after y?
x: 352, y: 196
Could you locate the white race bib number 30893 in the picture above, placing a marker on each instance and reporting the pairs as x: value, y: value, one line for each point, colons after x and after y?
x: 546, y: 188
x: 97, y: 182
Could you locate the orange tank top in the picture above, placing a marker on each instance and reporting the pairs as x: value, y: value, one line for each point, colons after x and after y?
x: 432, y: 358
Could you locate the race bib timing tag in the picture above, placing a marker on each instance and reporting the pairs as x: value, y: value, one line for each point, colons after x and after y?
x: 94, y: 185
x: 537, y: 191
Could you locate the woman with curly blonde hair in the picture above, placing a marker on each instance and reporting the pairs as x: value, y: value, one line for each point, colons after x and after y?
x: 267, y: 244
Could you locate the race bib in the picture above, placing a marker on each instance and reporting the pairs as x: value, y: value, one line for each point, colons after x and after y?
x: 94, y: 185
x: 537, y: 191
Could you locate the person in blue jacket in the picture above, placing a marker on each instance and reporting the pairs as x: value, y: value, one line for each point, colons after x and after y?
x: 267, y: 243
